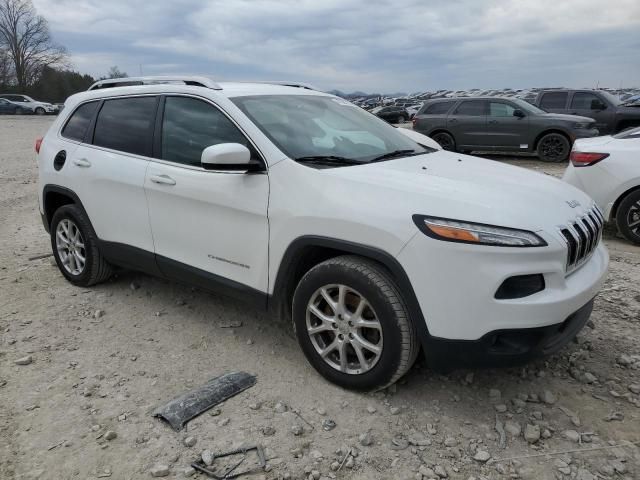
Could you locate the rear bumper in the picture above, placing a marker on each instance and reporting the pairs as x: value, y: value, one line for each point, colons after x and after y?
x: 507, y: 347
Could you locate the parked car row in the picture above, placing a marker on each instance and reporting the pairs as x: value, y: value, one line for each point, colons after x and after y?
x: 15, y: 104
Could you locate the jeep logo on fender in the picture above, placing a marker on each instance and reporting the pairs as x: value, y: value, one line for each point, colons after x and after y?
x: 573, y: 203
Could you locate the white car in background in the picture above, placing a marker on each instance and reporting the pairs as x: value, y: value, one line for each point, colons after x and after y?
x: 29, y: 104
x: 608, y: 169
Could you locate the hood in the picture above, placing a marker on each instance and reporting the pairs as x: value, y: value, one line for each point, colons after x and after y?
x: 568, y: 118
x: 463, y: 187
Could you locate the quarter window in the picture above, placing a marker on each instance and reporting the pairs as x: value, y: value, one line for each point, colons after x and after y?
x: 554, y: 100
x: 77, y: 125
x: 473, y: 108
x: 126, y: 124
x: 190, y: 125
x: 497, y: 109
x: 582, y: 100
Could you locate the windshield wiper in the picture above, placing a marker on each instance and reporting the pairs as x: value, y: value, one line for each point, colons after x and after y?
x: 328, y: 160
x: 394, y: 154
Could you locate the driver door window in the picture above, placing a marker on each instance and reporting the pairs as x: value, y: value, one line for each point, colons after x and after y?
x: 497, y: 109
x: 190, y: 125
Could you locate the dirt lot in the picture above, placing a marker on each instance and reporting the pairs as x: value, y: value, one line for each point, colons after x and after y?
x: 104, y: 357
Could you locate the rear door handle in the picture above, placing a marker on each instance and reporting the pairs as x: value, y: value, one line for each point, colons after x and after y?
x: 162, y: 179
x: 81, y: 162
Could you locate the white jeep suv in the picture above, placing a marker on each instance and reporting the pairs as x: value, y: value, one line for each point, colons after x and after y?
x: 375, y: 246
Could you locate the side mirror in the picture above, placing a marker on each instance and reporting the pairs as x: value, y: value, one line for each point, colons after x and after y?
x: 518, y: 113
x: 226, y: 156
x: 597, y: 105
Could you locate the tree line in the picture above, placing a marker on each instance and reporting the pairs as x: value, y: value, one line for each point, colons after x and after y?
x: 31, y: 62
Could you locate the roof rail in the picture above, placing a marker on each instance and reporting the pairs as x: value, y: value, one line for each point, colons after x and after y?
x: 129, y: 81
x: 286, y: 83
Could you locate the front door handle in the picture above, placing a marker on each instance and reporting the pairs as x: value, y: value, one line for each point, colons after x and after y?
x: 453, y: 120
x: 81, y: 162
x: 493, y: 122
x: 162, y: 179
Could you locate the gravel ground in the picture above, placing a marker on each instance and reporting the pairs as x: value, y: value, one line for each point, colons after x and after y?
x: 98, y: 360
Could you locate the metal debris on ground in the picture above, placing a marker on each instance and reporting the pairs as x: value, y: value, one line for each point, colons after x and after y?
x: 191, y: 404
x: 230, y: 471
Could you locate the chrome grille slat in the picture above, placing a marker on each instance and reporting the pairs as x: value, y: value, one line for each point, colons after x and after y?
x: 582, y: 237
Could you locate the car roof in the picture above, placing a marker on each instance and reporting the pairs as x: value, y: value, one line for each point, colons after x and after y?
x: 226, y: 89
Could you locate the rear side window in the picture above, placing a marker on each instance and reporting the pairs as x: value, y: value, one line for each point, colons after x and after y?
x: 473, y: 108
x: 554, y: 100
x: 126, y: 124
x: 78, y: 123
x: 438, y: 108
x: 190, y: 125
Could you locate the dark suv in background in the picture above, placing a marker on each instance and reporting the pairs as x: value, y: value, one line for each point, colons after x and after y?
x: 501, y: 125
x: 392, y: 114
x: 611, y: 114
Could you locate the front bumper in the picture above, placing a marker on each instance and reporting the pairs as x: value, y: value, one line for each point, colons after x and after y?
x: 584, y: 133
x: 510, y: 347
x: 455, y: 285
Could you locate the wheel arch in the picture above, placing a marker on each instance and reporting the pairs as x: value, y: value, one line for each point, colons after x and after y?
x: 54, y: 197
x: 305, y: 252
x: 614, y: 209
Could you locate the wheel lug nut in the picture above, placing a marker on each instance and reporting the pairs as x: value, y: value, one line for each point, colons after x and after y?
x: 334, y: 325
x: 351, y: 335
x: 340, y: 336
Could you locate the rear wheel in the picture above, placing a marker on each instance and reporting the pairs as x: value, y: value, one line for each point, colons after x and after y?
x: 75, y: 248
x: 628, y: 217
x: 445, y: 140
x: 553, y: 147
x: 353, y: 325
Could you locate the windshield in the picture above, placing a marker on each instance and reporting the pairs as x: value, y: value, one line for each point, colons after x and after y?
x: 610, y: 97
x: 629, y: 133
x: 527, y: 107
x: 310, y: 126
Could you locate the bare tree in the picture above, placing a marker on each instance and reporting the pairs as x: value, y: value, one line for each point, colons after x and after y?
x: 6, y: 69
x: 25, y: 36
x: 115, y: 72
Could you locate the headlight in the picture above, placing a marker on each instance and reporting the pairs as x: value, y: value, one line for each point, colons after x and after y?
x: 478, y: 233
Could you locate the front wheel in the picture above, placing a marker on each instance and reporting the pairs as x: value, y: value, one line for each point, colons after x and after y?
x: 352, y: 324
x: 628, y: 217
x: 40, y: 111
x: 75, y: 248
x: 554, y: 148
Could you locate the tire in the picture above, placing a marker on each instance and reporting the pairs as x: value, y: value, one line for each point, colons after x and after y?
x: 628, y: 217
x: 400, y: 119
x: 553, y: 148
x: 69, y: 219
x: 40, y: 111
x: 389, y: 329
x: 445, y: 140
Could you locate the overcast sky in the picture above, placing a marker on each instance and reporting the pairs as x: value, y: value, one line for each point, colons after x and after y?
x: 388, y: 46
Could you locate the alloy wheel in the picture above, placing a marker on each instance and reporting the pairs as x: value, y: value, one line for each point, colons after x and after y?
x: 554, y: 148
x: 344, y: 329
x: 70, y: 247
x: 633, y: 218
